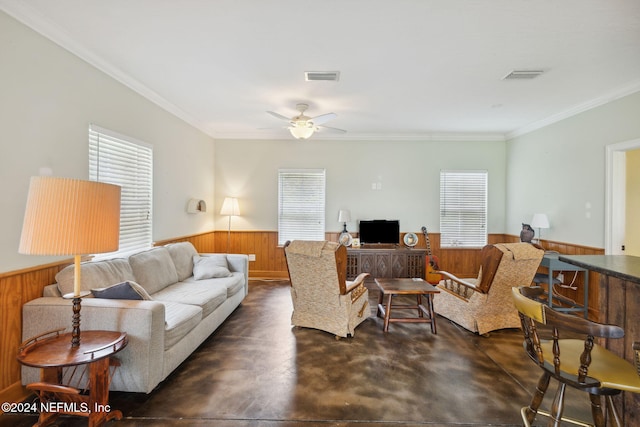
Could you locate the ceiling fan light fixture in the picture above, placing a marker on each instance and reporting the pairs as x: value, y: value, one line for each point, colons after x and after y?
x: 302, y: 130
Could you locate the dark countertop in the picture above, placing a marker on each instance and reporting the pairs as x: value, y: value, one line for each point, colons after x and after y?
x: 623, y: 267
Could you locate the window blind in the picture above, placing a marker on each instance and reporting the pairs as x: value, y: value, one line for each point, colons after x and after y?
x: 120, y: 160
x: 301, y: 204
x: 463, y: 208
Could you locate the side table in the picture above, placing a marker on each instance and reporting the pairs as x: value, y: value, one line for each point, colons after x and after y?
x: 552, y: 262
x: 52, y: 352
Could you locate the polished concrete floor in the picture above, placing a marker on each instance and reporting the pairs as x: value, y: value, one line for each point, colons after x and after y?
x: 257, y: 370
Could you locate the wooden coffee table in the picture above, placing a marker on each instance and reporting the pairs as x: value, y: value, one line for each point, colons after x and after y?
x: 417, y: 287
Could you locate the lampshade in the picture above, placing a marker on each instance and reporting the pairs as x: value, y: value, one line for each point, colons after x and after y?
x: 230, y: 207
x: 344, y: 216
x: 70, y: 217
x: 540, y: 221
x: 302, y: 130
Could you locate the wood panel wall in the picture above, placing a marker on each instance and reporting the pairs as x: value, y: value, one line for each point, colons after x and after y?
x: 594, y: 278
x: 19, y: 287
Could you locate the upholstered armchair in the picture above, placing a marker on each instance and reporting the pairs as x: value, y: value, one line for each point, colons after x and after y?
x: 485, y: 304
x: 322, y: 297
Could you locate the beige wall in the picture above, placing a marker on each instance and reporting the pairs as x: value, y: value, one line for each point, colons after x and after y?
x: 48, y: 98
x: 632, y: 227
x: 560, y: 170
x: 408, y: 172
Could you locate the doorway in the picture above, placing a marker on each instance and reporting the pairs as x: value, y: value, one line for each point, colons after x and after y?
x: 615, y: 195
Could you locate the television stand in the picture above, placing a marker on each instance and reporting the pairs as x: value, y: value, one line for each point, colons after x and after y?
x: 386, y: 261
x: 379, y: 246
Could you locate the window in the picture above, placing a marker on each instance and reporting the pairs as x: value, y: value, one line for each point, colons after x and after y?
x: 463, y: 208
x: 301, y: 199
x: 120, y: 160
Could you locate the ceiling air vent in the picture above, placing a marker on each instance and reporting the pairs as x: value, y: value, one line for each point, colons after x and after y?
x: 523, y: 74
x: 323, y: 76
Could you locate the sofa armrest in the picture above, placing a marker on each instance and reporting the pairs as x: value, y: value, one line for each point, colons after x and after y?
x: 143, y: 321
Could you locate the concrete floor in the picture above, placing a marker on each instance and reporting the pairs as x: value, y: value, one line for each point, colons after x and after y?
x: 257, y: 370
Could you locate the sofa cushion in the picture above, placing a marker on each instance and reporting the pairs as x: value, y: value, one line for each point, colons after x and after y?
x: 202, y: 294
x: 179, y: 320
x: 232, y: 284
x: 95, y: 274
x: 154, y: 269
x: 124, y: 290
x: 210, y: 266
x: 182, y: 254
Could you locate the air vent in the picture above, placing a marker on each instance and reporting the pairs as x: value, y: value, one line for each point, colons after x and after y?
x: 523, y: 74
x: 323, y: 76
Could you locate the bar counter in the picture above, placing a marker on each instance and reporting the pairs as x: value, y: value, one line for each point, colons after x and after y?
x: 619, y: 304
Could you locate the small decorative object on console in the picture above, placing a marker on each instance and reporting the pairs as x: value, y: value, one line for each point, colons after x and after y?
x: 410, y: 239
x: 527, y: 233
x: 345, y: 239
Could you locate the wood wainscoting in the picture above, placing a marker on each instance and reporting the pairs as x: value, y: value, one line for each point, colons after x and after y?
x: 594, y: 278
x: 19, y: 287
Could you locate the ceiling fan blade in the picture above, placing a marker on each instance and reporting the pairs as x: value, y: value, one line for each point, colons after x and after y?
x: 323, y: 118
x: 333, y: 129
x: 279, y: 116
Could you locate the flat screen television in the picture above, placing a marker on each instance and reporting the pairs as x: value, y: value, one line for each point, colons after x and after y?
x: 379, y: 231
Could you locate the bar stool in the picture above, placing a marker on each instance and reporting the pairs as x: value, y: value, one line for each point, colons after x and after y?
x: 579, y: 363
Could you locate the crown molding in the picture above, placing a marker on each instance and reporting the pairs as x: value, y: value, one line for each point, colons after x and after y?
x: 33, y: 19
x: 414, y: 137
x: 573, y: 111
x: 40, y: 24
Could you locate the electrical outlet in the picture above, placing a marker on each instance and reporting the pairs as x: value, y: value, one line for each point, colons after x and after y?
x: 252, y: 257
x: 560, y: 277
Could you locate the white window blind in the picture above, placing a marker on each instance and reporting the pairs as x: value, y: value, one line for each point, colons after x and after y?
x: 463, y: 208
x: 301, y: 204
x: 117, y: 159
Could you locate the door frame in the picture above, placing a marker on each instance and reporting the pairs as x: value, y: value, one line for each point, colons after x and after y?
x: 615, y: 195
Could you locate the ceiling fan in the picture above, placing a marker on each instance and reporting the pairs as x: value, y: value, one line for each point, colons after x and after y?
x: 302, y: 126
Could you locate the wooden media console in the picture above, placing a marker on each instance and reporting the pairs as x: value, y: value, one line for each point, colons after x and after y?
x: 386, y: 262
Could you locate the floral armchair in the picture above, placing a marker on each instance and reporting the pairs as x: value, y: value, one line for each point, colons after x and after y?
x: 485, y: 303
x: 322, y: 297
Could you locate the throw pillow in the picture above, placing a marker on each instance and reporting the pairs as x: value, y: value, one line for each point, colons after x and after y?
x: 124, y: 290
x: 208, y: 267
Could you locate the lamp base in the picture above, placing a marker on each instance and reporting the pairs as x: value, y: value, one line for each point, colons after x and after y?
x: 75, y: 320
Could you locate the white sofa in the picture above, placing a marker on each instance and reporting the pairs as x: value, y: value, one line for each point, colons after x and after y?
x: 179, y: 311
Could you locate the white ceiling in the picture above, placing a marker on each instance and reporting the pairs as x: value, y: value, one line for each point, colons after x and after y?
x: 410, y: 69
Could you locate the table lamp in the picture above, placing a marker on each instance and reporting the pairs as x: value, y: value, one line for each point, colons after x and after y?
x: 230, y: 207
x: 71, y: 217
x: 344, y: 216
x: 540, y: 221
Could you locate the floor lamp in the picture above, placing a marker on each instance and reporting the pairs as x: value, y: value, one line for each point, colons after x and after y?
x: 71, y: 217
x: 230, y: 208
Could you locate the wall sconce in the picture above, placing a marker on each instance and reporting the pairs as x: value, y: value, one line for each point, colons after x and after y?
x: 196, y: 206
